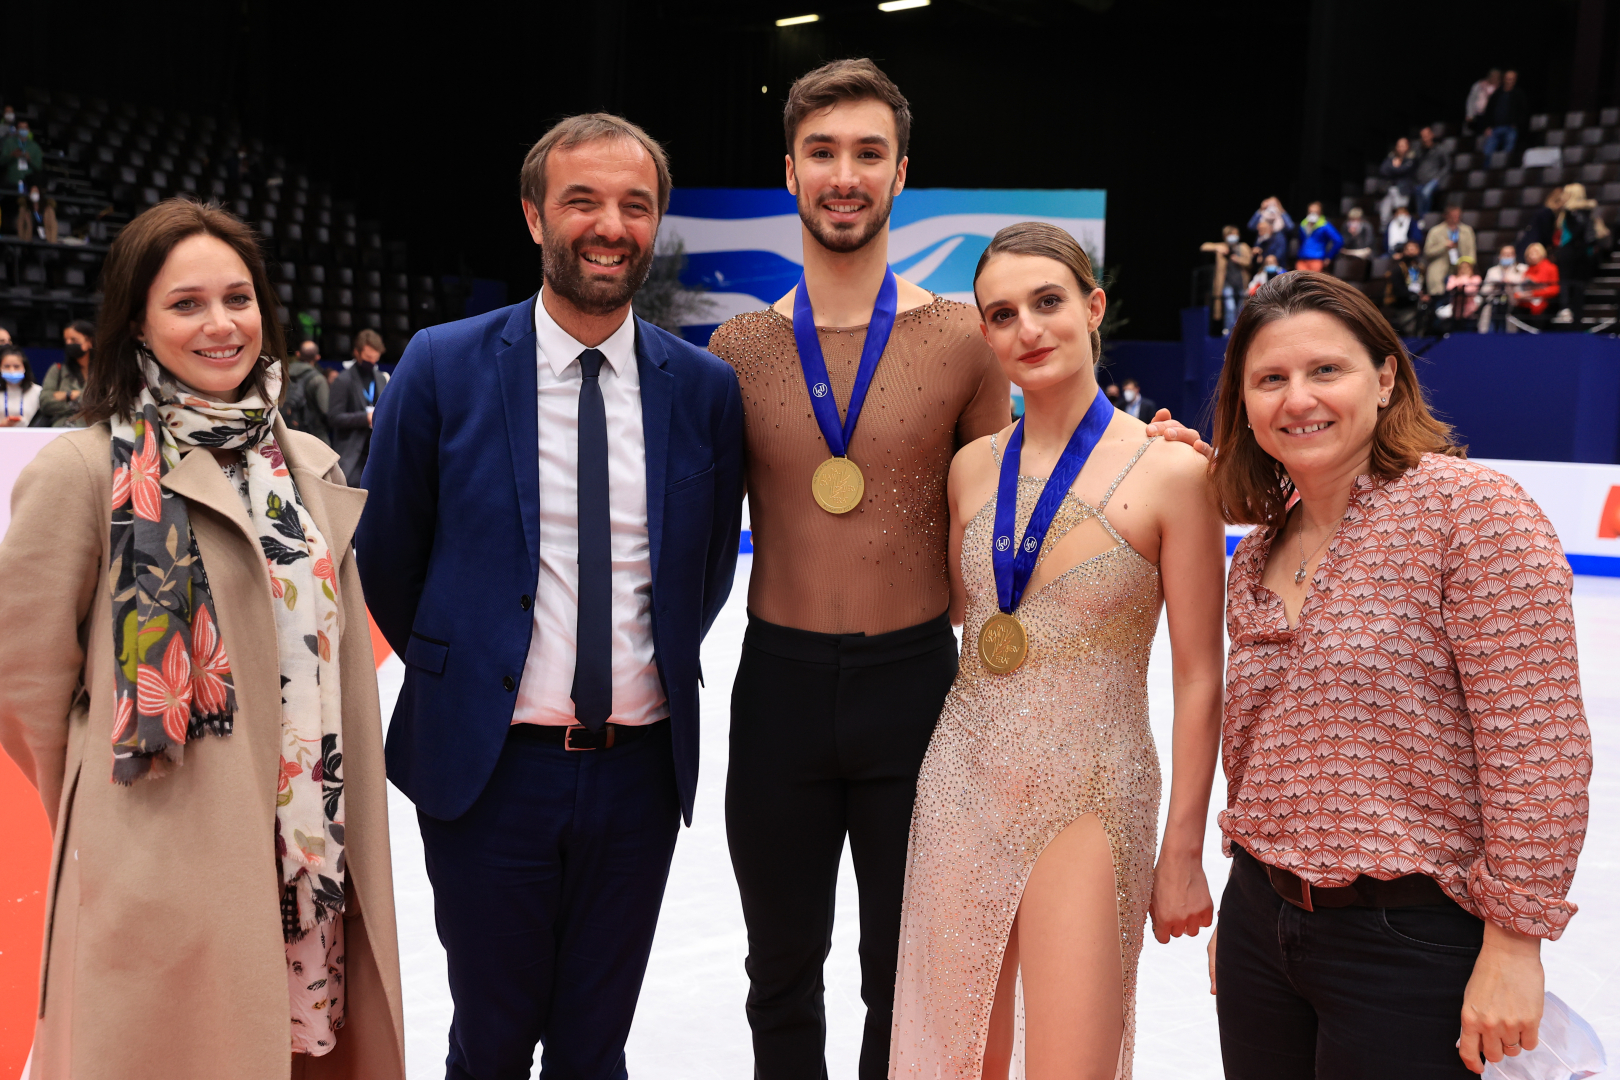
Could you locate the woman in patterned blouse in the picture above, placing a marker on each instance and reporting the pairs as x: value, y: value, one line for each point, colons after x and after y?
x: 1405, y: 747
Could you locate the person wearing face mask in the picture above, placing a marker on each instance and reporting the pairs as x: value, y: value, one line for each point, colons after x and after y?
x: 1497, y: 291
x: 36, y: 216
x: 8, y: 122
x: 21, y: 154
x: 1319, y: 240
x: 1398, y: 167
x: 1401, y: 228
x: 64, y: 382
x: 1134, y: 403
x: 1358, y: 245
x: 1232, y: 261
x: 352, y: 402
x: 19, y: 393
x: 199, y: 708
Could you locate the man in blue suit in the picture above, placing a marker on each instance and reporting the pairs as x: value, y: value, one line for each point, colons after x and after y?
x: 553, y: 524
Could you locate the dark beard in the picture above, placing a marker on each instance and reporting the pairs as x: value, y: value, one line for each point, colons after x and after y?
x: 566, y: 276
x: 843, y: 241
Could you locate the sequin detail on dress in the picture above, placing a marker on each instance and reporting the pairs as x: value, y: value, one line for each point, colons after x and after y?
x: 1015, y: 760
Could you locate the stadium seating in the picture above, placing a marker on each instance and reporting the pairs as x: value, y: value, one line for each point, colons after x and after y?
x: 333, y: 271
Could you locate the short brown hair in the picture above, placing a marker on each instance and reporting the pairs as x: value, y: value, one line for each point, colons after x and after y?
x: 846, y: 80
x: 368, y: 336
x: 577, y: 131
x: 1252, y: 486
x: 114, y: 381
x: 1048, y: 242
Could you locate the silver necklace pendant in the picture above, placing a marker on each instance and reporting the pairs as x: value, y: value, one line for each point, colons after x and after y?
x: 1299, y: 575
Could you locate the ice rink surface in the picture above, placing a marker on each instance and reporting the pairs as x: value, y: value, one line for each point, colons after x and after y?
x: 690, y: 1023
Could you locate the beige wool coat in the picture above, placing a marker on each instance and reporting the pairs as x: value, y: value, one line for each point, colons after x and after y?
x: 163, y: 955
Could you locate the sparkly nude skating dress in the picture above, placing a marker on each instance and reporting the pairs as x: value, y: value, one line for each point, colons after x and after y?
x: 1014, y: 760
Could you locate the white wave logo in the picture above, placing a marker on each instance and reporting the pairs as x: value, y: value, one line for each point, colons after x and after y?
x: 1030, y: 544
x: 1002, y: 543
x: 820, y: 389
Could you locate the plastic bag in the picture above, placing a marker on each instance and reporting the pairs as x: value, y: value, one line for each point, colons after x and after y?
x: 1569, y: 1050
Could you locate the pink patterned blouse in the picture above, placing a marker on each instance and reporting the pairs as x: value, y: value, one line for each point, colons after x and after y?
x: 1425, y: 716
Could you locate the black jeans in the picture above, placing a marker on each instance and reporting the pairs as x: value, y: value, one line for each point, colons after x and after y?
x: 827, y: 734
x: 1339, y: 994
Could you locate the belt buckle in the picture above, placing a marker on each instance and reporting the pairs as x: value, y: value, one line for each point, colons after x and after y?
x: 568, y: 738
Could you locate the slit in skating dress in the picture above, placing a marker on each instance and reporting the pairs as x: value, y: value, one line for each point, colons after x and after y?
x: 1014, y: 760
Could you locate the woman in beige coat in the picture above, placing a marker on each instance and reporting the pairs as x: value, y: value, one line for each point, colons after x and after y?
x: 198, y: 708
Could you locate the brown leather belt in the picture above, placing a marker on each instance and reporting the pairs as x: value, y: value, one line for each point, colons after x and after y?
x: 579, y: 737
x: 1411, y: 890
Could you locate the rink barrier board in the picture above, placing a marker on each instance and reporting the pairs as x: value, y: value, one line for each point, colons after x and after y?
x: 1582, y: 501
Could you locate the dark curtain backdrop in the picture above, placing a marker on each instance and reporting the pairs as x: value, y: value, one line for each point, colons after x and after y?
x: 1187, y: 113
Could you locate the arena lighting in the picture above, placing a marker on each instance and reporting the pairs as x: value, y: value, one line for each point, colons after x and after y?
x: 902, y: 5
x: 800, y: 20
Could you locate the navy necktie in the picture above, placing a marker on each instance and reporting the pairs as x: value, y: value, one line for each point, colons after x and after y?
x: 593, y: 644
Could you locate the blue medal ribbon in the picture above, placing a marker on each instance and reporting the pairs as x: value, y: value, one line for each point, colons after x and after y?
x: 814, y: 364
x: 1013, y: 566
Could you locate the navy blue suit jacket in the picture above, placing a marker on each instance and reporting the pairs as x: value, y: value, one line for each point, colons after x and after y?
x: 449, y: 545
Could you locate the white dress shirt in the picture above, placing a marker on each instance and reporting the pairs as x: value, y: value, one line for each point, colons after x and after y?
x: 546, y: 693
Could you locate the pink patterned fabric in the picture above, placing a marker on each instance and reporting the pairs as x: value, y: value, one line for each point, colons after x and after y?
x: 1425, y: 716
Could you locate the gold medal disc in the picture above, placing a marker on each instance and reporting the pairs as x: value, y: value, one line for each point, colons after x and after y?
x: 1003, y: 643
x: 838, y: 485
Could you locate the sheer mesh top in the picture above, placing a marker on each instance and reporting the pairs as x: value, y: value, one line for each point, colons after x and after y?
x: 881, y: 566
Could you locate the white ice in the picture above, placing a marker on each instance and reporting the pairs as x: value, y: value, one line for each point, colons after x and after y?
x: 690, y: 1024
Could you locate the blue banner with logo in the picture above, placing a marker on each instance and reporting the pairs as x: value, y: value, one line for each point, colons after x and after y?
x: 745, y: 248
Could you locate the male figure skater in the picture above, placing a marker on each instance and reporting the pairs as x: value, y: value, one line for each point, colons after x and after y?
x: 858, y: 388
x: 555, y: 501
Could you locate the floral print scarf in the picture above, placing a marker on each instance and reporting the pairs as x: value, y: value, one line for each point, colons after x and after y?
x: 173, y: 679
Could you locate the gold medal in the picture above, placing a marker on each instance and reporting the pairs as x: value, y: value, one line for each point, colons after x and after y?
x: 1003, y: 643
x: 838, y: 485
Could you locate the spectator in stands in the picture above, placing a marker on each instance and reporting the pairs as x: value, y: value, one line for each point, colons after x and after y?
x: 1269, y: 242
x: 1401, y: 228
x: 1358, y: 235
x: 308, y: 393
x: 1479, y: 99
x: 1433, y: 172
x: 1404, y: 295
x: 1580, y: 239
x: 1398, y: 167
x: 1540, y: 228
x: 1271, y: 211
x: 19, y: 393
x: 1111, y: 392
x: 1319, y: 241
x: 1448, y: 243
x: 1462, y: 303
x: 64, y: 382
x: 1132, y: 403
x: 1270, y: 267
x: 8, y: 122
x: 1533, y: 299
x: 1506, y: 116
x: 354, y: 398
x: 5, y: 336
x: 1232, y: 261
x: 1497, y: 292
x: 36, y: 216
x: 22, y: 157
